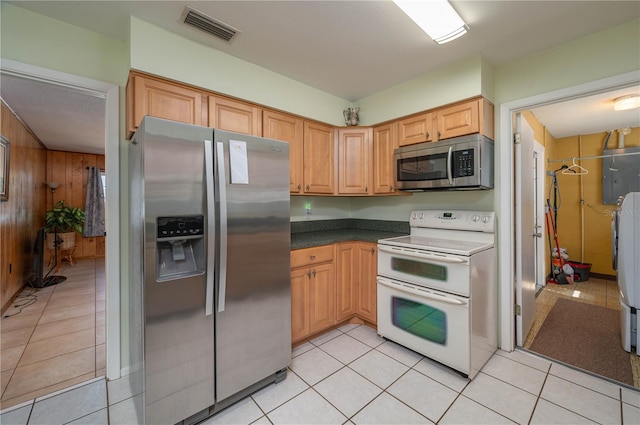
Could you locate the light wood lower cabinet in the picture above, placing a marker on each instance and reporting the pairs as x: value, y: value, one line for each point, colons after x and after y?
x: 312, y: 291
x: 356, y: 266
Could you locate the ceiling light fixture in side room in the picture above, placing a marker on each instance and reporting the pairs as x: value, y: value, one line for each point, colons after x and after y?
x: 436, y: 17
x: 630, y: 101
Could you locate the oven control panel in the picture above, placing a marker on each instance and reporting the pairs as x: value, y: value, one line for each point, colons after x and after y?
x: 479, y: 221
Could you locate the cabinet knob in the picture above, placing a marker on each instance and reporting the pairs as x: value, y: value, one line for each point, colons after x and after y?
x: 309, y: 274
x: 307, y: 188
x: 312, y: 257
x: 366, y: 189
x: 438, y: 135
x: 314, y: 273
x: 427, y: 134
x: 373, y: 250
x: 299, y: 186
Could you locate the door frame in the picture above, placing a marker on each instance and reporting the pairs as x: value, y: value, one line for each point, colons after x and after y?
x: 505, y: 171
x: 111, y: 95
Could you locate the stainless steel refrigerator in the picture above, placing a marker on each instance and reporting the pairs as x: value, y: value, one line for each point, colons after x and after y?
x: 210, y: 300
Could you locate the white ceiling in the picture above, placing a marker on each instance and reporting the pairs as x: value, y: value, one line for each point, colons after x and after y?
x: 351, y: 49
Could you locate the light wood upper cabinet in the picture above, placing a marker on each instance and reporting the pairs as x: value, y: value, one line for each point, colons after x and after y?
x: 355, y: 171
x: 162, y: 99
x: 467, y: 117
x: 415, y: 129
x: 232, y: 115
x: 473, y: 116
x: 290, y: 129
x: 318, y: 173
x: 385, y: 140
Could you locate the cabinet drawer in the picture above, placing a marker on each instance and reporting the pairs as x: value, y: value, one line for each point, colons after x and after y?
x: 308, y: 256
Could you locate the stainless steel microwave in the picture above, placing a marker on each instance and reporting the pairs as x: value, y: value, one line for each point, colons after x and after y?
x: 461, y: 163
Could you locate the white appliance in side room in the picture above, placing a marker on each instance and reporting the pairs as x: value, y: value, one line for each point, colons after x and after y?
x: 437, y: 289
x: 625, y: 252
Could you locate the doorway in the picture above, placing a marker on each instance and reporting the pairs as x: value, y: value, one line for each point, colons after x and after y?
x: 110, y: 269
x: 509, y: 208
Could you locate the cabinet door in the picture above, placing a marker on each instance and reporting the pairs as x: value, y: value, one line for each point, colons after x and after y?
x: 385, y: 140
x: 288, y: 129
x: 458, y: 120
x: 322, y: 297
x: 366, y: 292
x: 300, y: 281
x: 354, y: 160
x: 415, y: 129
x: 231, y: 115
x: 345, y: 281
x: 163, y: 100
x: 318, y: 158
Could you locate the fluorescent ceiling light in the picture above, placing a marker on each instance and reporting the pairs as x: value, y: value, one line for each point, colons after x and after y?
x: 436, y: 17
x: 624, y: 103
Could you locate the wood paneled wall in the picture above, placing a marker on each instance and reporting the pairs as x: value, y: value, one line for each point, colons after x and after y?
x: 70, y: 170
x: 23, y: 213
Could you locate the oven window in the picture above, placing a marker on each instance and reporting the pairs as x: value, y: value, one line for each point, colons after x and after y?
x: 425, y: 167
x: 419, y: 319
x: 419, y: 268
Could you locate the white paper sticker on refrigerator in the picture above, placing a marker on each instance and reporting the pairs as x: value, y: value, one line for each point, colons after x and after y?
x: 238, y: 162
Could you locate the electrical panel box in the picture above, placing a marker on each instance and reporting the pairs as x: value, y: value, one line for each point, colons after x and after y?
x: 620, y: 174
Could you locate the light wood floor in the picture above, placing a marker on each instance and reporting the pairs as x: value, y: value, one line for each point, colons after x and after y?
x: 601, y: 292
x: 54, y: 337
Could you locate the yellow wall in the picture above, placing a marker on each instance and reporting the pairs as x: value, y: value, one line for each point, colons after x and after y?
x: 597, y: 216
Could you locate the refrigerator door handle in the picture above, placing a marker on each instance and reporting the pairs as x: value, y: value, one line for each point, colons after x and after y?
x: 222, y: 194
x: 211, y: 246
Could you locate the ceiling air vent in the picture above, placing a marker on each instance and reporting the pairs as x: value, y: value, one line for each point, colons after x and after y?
x: 208, y: 24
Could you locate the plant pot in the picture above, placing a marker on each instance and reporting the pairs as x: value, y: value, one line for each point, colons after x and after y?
x: 68, y: 240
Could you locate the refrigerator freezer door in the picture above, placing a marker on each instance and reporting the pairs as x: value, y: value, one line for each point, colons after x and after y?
x: 253, y: 333
x: 178, y: 335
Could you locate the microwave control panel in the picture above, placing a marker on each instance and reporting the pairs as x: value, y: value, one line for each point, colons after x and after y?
x: 463, y: 163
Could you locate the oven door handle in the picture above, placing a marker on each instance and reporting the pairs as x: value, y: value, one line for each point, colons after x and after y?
x: 421, y: 293
x: 427, y: 256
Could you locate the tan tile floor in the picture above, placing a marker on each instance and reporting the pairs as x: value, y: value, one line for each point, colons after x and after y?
x: 595, y: 291
x: 54, y: 337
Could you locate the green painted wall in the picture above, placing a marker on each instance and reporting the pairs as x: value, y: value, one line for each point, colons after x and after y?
x: 38, y: 40
x: 446, y: 85
x: 208, y: 68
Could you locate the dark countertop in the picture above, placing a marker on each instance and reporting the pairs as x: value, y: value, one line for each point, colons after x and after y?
x: 325, y: 232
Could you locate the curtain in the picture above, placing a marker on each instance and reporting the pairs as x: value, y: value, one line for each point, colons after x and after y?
x: 94, y: 205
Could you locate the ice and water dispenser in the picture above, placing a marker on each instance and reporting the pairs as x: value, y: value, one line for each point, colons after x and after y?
x: 180, y: 247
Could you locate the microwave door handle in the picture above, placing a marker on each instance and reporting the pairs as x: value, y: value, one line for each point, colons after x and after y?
x: 427, y: 256
x: 420, y: 293
x: 450, y: 165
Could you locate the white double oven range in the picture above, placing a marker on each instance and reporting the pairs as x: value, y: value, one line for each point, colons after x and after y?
x: 437, y: 288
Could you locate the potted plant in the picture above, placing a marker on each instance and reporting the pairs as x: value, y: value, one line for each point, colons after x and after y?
x: 64, y: 220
